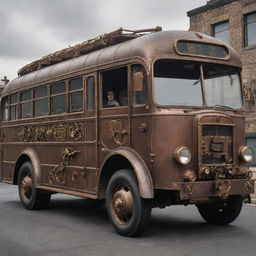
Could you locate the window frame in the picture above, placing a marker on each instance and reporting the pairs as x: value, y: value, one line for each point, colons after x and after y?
x: 246, y: 43
x: 20, y: 103
x: 219, y: 23
x: 41, y: 98
x: 70, y: 92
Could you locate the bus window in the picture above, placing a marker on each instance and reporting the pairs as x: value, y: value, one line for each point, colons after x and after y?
x: 13, y: 107
x: 114, y: 87
x: 76, y: 94
x: 25, y: 105
x: 5, y: 109
x: 58, y: 98
x: 41, y: 101
x: 140, y: 96
x: 90, y: 93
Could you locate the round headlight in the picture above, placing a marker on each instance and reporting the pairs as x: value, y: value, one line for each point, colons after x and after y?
x: 246, y: 154
x: 182, y: 155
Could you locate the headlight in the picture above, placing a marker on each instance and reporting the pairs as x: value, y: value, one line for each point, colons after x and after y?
x: 246, y: 154
x: 182, y: 155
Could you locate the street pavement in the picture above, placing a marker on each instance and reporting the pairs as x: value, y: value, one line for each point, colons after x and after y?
x: 73, y: 226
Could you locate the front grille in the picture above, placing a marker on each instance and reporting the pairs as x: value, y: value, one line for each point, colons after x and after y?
x: 217, y: 130
x: 216, y: 144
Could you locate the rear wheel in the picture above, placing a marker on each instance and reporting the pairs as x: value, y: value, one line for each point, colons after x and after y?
x: 128, y: 212
x: 31, y: 197
x: 222, y: 213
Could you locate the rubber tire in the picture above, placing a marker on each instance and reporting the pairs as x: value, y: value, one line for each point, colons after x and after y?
x: 39, y: 199
x: 142, y: 207
x: 229, y: 212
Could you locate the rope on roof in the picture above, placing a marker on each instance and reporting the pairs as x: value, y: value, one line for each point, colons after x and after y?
x: 118, y: 36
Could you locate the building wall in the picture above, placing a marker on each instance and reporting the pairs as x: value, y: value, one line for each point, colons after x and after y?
x: 203, y: 18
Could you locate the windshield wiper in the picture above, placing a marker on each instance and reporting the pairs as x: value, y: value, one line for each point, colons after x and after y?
x: 222, y: 106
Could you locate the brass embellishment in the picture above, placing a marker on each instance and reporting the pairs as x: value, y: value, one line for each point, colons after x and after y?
x: 25, y: 134
x: 249, y: 186
x: 223, y: 188
x: 59, y: 132
x: 40, y: 134
x: 189, y: 188
x: 67, y: 155
x: 57, y: 174
x: 143, y: 127
x: 75, y: 132
x: 49, y: 134
x: 75, y: 177
x: 217, y: 145
x: 118, y: 132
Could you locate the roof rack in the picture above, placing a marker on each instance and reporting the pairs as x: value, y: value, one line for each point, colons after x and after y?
x: 118, y: 36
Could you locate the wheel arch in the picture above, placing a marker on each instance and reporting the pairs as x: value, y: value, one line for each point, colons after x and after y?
x: 27, y: 155
x: 126, y: 158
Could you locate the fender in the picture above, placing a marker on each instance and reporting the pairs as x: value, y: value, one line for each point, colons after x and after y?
x: 146, y: 187
x: 29, y: 152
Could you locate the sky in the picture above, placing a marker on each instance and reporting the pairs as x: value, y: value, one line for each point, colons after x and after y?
x: 30, y: 29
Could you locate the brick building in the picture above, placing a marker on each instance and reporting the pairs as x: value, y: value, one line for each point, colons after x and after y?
x: 234, y: 22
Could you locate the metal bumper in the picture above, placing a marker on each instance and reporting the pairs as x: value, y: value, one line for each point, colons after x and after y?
x: 217, y: 188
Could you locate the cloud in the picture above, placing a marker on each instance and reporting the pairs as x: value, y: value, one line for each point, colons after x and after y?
x: 32, y: 29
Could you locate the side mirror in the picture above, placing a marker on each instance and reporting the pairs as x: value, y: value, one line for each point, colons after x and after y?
x: 138, y: 79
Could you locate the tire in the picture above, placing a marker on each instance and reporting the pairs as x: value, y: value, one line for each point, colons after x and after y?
x: 31, y: 197
x: 222, y: 213
x: 128, y: 212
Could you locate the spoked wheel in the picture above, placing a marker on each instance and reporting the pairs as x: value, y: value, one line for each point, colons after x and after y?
x: 30, y: 196
x: 222, y: 213
x: 128, y: 212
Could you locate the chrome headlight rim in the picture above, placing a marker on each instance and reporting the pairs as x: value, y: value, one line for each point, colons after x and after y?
x: 242, y: 153
x: 178, y: 155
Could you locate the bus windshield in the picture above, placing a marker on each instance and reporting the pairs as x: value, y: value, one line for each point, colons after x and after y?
x: 180, y: 83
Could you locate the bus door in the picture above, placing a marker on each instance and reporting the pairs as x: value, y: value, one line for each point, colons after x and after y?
x: 114, y: 128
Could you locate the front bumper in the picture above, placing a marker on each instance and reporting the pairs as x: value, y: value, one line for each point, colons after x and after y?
x: 214, y: 189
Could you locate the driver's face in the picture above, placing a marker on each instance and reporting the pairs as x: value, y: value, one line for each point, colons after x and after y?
x: 110, y: 96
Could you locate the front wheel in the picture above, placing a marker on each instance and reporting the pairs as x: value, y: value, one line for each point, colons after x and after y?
x: 222, y: 213
x: 128, y: 212
x: 31, y: 197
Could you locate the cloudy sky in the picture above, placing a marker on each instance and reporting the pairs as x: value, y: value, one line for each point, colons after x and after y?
x: 31, y: 29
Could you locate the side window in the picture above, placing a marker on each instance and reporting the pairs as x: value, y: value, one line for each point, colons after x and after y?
x: 13, y: 107
x: 25, y: 105
x: 76, y: 94
x: 41, y: 101
x: 114, y: 87
x: 5, y: 110
x: 90, y: 83
x: 58, y: 98
x: 140, y: 87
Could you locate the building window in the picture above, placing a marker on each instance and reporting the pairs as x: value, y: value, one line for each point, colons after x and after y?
x: 250, y: 29
x: 221, y: 31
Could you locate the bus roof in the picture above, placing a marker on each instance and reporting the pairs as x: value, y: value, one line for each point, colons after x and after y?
x: 148, y: 47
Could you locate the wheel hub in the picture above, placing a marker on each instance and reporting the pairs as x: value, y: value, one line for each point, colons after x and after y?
x: 27, y: 186
x: 123, y: 205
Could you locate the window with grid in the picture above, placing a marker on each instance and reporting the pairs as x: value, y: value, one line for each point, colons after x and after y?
x: 41, y: 101
x: 25, y: 105
x: 76, y: 94
x: 221, y: 31
x: 58, y: 98
x: 250, y: 29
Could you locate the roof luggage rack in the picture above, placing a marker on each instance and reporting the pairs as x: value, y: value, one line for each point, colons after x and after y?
x: 118, y: 36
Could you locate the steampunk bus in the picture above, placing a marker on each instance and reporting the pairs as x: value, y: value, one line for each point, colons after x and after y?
x: 140, y: 119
